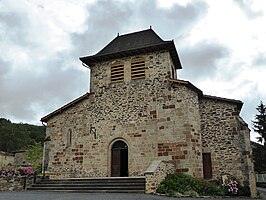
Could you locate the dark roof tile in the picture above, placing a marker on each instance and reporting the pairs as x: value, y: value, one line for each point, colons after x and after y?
x: 130, y: 41
x: 134, y: 44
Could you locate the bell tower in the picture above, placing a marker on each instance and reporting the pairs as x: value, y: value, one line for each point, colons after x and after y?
x: 130, y: 57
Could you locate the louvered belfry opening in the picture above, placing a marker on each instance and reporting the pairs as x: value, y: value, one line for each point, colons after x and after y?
x: 137, y: 68
x: 117, y: 72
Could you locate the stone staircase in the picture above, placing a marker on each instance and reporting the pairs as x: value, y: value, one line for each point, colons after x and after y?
x: 92, y: 185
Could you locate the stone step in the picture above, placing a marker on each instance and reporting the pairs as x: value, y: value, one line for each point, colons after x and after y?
x: 66, y: 181
x: 92, y: 191
x: 107, y: 184
x: 84, y: 184
x: 87, y: 188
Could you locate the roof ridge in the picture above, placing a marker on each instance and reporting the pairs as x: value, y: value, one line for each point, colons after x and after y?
x: 141, y: 31
x: 145, y: 46
x: 143, y: 41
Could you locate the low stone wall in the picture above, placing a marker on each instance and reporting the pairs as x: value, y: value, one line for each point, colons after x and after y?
x: 15, y: 183
x: 156, y: 173
x: 260, y: 178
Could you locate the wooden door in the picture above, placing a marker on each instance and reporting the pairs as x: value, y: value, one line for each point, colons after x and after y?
x: 207, y: 165
x: 119, y: 160
x: 116, y: 166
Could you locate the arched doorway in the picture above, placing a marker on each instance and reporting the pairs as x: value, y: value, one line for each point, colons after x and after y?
x: 119, y: 159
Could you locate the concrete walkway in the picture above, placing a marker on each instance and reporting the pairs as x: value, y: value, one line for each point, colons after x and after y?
x: 29, y: 195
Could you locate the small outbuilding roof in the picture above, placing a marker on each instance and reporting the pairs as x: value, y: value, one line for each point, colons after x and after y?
x: 134, y: 44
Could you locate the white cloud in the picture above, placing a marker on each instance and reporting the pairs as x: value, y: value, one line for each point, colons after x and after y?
x: 221, y: 45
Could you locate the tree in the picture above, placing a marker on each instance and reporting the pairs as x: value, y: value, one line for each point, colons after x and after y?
x: 259, y: 124
x: 17, y: 136
x: 34, y: 155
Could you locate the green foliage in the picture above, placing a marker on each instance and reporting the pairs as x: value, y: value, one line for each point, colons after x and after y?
x: 186, y: 184
x: 34, y: 152
x: 259, y: 151
x: 259, y: 156
x: 244, y: 190
x: 18, y: 136
x: 34, y: 155
x: 259, y: 124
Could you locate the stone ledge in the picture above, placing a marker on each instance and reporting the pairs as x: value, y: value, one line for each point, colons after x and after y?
x: 153, y: 166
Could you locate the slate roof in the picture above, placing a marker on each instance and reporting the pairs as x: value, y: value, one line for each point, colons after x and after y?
x: 134, y: 44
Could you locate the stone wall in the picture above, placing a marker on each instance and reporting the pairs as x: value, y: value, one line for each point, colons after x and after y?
x: 6, y: 158
x: 15, y: 183
x: 260, y: 178
x: 156, y: 173
x: 155, y: 120
x: 226, y: 136
x: 220, y: 136
x: 21, y: 158
x: 247, y: 160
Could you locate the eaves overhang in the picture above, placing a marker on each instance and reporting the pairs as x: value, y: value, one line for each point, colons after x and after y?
x: 167, y: 45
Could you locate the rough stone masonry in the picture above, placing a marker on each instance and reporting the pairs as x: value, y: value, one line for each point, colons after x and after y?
x: 136, y: 100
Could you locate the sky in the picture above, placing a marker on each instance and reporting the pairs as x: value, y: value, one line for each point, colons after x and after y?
x: 221, y: 45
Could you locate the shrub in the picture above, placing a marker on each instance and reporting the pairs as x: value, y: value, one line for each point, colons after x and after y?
x: 37, y: 167
x: 244, y: 190
x: 186, y: 184
x: 14, y: 171
x: 9, y: 172
x: 26, y: 171
x: 233, y: 188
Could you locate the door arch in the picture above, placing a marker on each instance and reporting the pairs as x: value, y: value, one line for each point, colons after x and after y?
x: 119, y: 159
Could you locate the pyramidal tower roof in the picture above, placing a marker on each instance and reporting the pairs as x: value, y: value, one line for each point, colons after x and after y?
x: 134, y: 44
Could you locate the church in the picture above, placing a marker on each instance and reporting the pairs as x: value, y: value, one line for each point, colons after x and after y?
x: 138, y: 114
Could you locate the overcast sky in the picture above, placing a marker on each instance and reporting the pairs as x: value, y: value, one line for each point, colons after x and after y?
x: 221, y: 45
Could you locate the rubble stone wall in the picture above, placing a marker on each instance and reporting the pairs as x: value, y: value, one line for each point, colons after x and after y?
x: 226, y: 136
x: 156, y: 173
x: 153, y: 118
x: 220, y: 136
x: 15, y: 183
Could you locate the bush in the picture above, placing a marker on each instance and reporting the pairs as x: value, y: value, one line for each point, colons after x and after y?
x: 245, y: 190
x: 186, y: 184
x: 38, y: 168
x: 9, y: 172
x: 233, y: 188
x: 14, y: 171
x: 26, y: 171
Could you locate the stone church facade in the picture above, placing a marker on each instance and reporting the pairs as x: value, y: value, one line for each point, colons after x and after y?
x: 138, y: 112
